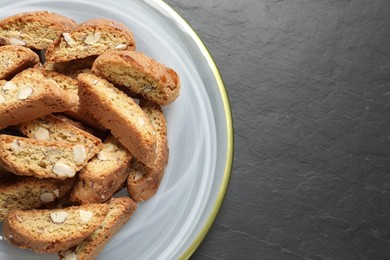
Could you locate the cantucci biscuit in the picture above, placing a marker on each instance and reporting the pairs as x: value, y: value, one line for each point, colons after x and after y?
x: 14, y: 59
x: 66, y: 83
x: 120, y: 211
x: 35, y: 30
x: 51, y: 128
x: 53, y: 230
x: 140, y: 73
x: 91, y: 38
x: 119, y: 113
x: 30, y: 193
x: 42, y: 159
x: 103, y: 175
x: 25, y: 98
x: 144, y: 181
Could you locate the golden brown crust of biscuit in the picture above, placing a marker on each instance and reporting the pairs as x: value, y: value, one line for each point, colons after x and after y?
x: 140, y: 73
x: 35, y: 30
x: 103, y: 175
x: 90, y: 38
x: 121, y: 209
x: 30, y: 193
x: 119, y: 113
x: 53, y: 230
x: 144, y: 181
x: 14, y: 59
x: 26, y: 97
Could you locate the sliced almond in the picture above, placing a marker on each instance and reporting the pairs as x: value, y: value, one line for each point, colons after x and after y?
x: 138, y: 176
x: 2, y: 99
x: 56, y: 192
x: 85, y: 216
x: 59, y: 216
x: 25, y: 92
x: 42, y: 134
x: 79, y: 154
x: 63, y: 170
x: 70, y: 255
x: 15, y: 41
x: 141, y: 121
x: 47, y: 197
x: 9, y: 86
x: 92, y: 38
x: 15, y: 146
x: 101, y: 156
x: 69, y: 40
x: 122, y: 46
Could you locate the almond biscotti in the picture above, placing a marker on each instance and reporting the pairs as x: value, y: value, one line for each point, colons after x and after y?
x: 35, y: 30
x: 91, y: 38
x: 53, y: 230
x: 25, y: 98
x: 119, y: 113
x: 14, y: 59
x: 30, y: 193
x: 103, y: 175
x: 144, y: 181
x: 42, y: 159
x: 51, y: 128
x: 140, y: 73
x: 121, y: 209
x: 66, y: 83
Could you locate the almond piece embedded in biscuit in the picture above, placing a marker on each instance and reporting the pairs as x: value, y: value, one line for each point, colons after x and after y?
x: 79, y: 154
x: 121, y: 47
x: 59, y: 216
x: 15, y: 41
x: 2, y: 99
x: 57, y: 193
x: 47, y: 197
x: 92, y: 39
x: 63, y: 170
x: 101, y: 156
x: 69, y: 40
x: 15, y: 146
x: 9, y: 86
x: 138, y: 176
x: 85, y: 216
x: 70, y: 255
x: 24, y: 93
x: 42, y: 134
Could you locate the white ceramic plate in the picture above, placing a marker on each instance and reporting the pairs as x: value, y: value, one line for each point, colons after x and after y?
x: 173, y: 223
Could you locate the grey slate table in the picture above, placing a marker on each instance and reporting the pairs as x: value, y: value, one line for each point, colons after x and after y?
x: 309, y: 85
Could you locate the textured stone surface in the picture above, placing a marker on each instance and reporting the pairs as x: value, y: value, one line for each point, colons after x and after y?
x: 309, y: 84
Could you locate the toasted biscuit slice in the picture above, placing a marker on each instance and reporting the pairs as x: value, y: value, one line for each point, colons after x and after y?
x: 30, y: 193
x: 119, y: 113
x: 121, y: 209
x: 141, y: 74
x: 91, y: 38
x: 14, y: 59
x: 42, y: 159
x: 51, y: 128
x: 103, y: 175
x: 53, y: 230
x: 25, y: 98
x: 66, y: 83
x: 35, y: 30
x: 144, y: 181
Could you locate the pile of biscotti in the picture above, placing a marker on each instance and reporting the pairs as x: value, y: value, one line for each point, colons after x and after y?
x: 80, y: 120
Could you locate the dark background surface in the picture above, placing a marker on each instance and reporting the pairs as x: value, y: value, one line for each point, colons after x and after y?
x: 309, y: 85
